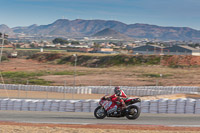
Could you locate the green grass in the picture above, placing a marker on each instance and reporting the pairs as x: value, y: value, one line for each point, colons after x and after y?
x: 38, y: 49
x: 33, y: 77
x: 37, y: 74
x: 34, y: 81
x: 39, y: 82
x: 68, y: 73
x: 21, y: 74
x: 22, y: 78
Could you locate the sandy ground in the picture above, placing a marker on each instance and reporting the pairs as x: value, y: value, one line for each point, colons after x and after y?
x: 11, y: 127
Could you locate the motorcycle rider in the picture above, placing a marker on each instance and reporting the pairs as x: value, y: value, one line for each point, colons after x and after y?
x: 118, y: 97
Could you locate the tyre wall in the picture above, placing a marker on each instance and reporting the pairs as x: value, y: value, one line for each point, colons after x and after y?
x: 175, y: 106
x: 136, y: 90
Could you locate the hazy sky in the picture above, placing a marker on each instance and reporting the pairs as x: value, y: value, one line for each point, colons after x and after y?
x: 180, y: 13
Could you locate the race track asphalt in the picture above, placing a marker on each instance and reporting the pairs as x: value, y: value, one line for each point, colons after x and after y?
x: 189, y: 120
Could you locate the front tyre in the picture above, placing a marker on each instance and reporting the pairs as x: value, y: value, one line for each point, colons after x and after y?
x: 100, y: 112
x: 133, y: 112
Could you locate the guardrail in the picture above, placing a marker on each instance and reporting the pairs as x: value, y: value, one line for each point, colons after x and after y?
x: 176, y: 106
x: 138, y: 90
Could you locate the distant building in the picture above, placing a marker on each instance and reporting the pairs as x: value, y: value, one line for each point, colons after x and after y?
x: 8, y: 46
x: 50, y: 46
x: 103, y: 51
x: 158, y: 50
x: 25, y: 46
x: 78, y: 46
x: 181, y: 50
x: 131, y: 45
x: 148, y: 50
x: 106, y: 49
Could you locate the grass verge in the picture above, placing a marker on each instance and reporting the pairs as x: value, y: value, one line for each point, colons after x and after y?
x: 32, y: 78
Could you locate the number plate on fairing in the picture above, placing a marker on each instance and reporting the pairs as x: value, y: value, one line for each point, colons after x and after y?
x: 107, y: 104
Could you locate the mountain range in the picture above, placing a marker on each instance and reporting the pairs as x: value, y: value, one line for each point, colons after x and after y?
x: 91, y: 28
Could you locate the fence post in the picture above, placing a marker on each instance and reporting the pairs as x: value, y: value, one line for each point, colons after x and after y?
x: 27, y: 83
x: 18, y: 91
x: 65, y: 90
x: 156, y: 82
x: 47, y: 93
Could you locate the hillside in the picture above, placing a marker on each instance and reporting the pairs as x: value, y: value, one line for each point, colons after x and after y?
x: 24, y: 29
x: 97, y: 61
x: 5, y: 29
x: 181, y: 61
x: 81, y: 28
x: 110, y: 33
x: 119, y: 60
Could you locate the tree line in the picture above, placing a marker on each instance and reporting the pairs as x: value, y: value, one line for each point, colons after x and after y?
x: 63, y: 41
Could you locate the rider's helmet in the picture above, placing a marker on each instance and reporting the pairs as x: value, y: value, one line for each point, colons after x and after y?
x: 117, y: 91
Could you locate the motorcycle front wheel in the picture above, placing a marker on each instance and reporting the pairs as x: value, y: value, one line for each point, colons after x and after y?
x: 133, y: 112
x: 100, y: 112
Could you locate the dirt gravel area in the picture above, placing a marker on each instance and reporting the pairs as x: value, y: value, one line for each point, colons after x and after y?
x: 27, y: 65
x: 11, y: 127
x: 115, y: 76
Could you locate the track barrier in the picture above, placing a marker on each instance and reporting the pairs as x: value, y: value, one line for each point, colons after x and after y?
x: 175, y: 106
x: 136, y: 90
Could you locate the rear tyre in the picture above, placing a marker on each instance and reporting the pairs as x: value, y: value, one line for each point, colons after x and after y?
x: 100, y: 112
x: 133, y: 112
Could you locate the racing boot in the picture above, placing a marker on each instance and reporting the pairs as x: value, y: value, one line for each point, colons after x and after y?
x: 123, y: 108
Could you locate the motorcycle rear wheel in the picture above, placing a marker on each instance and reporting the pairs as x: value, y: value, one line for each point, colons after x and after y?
x: 133, y: 112
x: 100, y: 112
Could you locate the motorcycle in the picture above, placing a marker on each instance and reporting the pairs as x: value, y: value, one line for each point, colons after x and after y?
x: 113, y: 109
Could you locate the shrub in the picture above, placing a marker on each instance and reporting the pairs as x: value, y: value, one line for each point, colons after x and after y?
x: 39, y: 82
x: 3, y: 58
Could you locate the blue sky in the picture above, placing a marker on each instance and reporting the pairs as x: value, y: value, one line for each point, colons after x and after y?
x: 181, y: 13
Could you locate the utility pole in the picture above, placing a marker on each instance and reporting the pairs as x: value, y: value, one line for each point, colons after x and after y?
x: 75, y: 60
x: 3, y: 37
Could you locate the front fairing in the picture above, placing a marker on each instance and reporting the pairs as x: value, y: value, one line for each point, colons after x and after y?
x: 105, y: 104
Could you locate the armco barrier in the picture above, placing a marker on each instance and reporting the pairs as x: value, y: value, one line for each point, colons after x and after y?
x: 138, y: 90
x: 175, y: 106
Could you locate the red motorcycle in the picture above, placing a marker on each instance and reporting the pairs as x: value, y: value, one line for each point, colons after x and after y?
x: 113, y: 109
